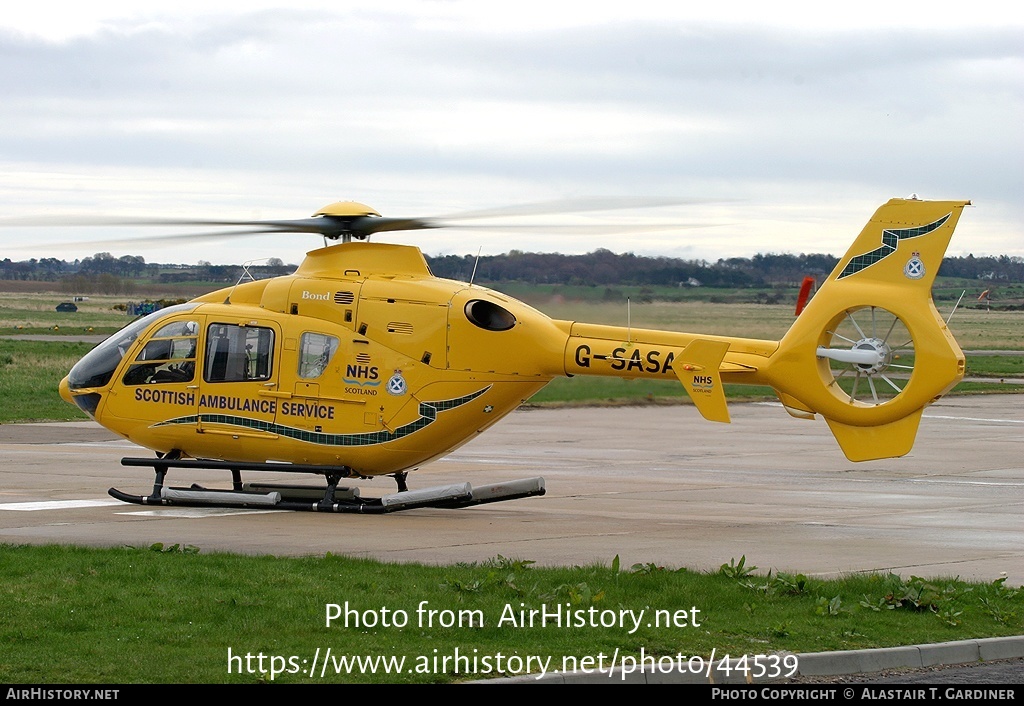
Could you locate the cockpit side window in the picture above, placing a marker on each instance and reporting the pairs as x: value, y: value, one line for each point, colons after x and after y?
x: 97, y: 367
x: 168, y: 356
x: 237, y: 353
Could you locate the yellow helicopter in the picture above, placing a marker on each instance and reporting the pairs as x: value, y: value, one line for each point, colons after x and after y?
x: 362, y: 363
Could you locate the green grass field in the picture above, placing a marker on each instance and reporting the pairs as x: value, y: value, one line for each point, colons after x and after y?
x: 974, y: 328
x: 29, y: 374
x: 30, y: 371
x: 24, y: 313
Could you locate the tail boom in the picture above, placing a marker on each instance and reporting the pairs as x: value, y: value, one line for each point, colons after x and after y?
x: 868, y: 353
x: 699, y: 362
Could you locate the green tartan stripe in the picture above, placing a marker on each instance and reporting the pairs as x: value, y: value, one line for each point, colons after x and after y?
x: 428, y: 414
x: 890, y: 239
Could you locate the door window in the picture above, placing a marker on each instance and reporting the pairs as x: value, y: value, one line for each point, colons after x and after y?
x: 237, y: 353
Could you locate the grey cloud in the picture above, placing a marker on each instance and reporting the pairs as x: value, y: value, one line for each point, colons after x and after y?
x: 307, y: 93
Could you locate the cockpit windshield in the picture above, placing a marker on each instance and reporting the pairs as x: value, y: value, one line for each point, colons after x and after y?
x: 98, y: 366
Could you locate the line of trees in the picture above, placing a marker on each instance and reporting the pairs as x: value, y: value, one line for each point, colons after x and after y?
x: 102, y: 271
x: 114, y: 275
x: 605, y: 268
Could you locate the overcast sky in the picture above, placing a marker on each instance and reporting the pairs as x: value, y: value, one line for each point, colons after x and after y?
x: 780, y: 126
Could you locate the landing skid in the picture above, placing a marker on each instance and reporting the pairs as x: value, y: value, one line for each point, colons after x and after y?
x: 311, y: 498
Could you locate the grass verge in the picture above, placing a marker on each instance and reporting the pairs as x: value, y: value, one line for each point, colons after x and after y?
x: 30, y: 372
x: 171, y: 614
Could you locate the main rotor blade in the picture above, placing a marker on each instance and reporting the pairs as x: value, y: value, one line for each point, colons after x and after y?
x: 580, y: 228
x: 114, y: 221
x: 149, y: 241
x: 580, y: 205
x: 328, y: 226
x: 363, y: 226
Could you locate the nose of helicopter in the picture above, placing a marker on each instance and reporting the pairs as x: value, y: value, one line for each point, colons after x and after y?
x: 65, y: 391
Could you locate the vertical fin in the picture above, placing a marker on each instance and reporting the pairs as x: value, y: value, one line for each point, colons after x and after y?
x: 888, y: 272
x: 883, y: 441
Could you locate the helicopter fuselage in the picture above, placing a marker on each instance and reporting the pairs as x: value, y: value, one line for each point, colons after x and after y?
x: 363, y: 360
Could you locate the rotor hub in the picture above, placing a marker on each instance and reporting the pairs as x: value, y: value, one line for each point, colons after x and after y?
x: 883, y: 353
x: 881, y: 350
x: 346, y: 209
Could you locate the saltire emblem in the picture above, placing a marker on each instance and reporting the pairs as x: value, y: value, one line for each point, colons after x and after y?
x: 428, y: 412
x: 914, y: 269
x: 397, y: 385
x: 890, y: 240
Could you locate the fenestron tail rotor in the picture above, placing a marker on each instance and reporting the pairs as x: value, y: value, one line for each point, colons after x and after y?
x: 871, y: 354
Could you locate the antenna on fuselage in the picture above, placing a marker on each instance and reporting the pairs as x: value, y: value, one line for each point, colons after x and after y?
x: 243, y: 276
x: 475, y: 263
x: 629, y: 323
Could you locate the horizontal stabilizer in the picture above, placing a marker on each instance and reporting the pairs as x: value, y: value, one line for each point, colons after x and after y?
x: 872, y: 443
x: 697, y: 368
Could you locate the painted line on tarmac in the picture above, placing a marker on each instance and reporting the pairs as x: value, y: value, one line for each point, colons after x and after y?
x: 116, y: 443
x: 974, y: 419
x: 934, y: 416
x: 59, y: 504
x: 942, y: 481
x: 108, y: 502
x: 196, y: 512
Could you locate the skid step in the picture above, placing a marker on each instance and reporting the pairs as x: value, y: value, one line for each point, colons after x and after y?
x: 300, y: 492
x: 199, y: 496
x: 206, y: 496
